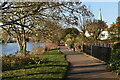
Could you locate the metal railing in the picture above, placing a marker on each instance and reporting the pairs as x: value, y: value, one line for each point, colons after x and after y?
x: 100, y: 51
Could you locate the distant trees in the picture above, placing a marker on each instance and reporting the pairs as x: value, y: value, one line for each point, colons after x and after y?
x: 114, y: 30
x: 24, y: 19
x: 70, y: 33
x: 50, y: 32
x: 118, y: 27
x: 95, y: 28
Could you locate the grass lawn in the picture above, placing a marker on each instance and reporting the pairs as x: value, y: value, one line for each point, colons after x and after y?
x: 55, y: 66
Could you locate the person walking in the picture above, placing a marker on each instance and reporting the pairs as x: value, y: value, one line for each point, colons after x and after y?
x: 72, y: 47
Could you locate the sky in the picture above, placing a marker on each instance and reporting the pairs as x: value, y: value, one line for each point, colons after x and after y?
x: 109, y: 10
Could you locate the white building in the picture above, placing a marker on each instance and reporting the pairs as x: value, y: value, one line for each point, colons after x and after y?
x: 104, y: 35
x: 87, y: 34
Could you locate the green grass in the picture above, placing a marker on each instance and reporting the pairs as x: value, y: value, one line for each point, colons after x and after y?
x: 55, y: 66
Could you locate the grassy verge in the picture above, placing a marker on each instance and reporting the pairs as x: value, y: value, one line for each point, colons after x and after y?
x: 54, y: 66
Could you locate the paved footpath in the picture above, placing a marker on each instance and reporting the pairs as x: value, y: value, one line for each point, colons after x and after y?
x: 86, y: 68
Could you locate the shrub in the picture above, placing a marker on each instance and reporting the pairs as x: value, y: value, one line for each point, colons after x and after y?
x: 115, y: 59
x: 116, y: 48
x: 115, y: 63
x: 49, y: 46
x: 38, y: 50
x: 69, y: 42
x: 12, y: 62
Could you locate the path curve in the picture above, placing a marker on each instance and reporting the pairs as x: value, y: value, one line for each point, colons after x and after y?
x: 86, y: 68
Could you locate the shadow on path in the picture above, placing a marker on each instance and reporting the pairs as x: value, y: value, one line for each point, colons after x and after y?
x: 82, y: 67
x: 88, y: 66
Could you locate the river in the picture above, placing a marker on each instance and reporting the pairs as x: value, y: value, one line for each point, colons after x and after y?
x: 12, y: 48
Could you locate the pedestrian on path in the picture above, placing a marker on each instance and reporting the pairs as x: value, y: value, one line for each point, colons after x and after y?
x: 72, y: 47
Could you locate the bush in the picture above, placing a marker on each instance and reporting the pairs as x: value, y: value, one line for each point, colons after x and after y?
x: 38, y: 50
x: 115, y: 59
x: 115, y: 63
x: 116, y: 48
x: 13, y: 62
x: 49, y: 46
x: 69, y: 42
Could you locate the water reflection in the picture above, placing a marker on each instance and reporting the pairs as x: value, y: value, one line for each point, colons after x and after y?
x: 11, y: 48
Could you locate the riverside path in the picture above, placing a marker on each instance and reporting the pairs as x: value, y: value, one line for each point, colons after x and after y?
x: 83, y: 67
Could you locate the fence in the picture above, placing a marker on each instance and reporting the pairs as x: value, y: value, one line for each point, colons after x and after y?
x: 100, y: 51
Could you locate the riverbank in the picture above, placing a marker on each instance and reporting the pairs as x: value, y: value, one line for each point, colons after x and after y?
x: 51, y: 64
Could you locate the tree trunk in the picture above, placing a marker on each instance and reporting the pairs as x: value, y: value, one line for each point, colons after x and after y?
x: 22, y: 45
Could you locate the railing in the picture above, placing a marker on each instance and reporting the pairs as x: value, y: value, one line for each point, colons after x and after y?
x: 100, y: 51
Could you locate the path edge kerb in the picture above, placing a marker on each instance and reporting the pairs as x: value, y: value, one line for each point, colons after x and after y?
x: 94, y: 58
x: 68, y: 67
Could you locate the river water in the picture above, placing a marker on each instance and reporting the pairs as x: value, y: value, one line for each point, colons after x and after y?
x: 11, y: 48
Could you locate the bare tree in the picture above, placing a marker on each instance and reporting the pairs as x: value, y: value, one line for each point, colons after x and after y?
x: 20, y: 19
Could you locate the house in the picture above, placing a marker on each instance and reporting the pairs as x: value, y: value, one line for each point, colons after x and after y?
x: 104, y: 35
x: 87, y: 34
